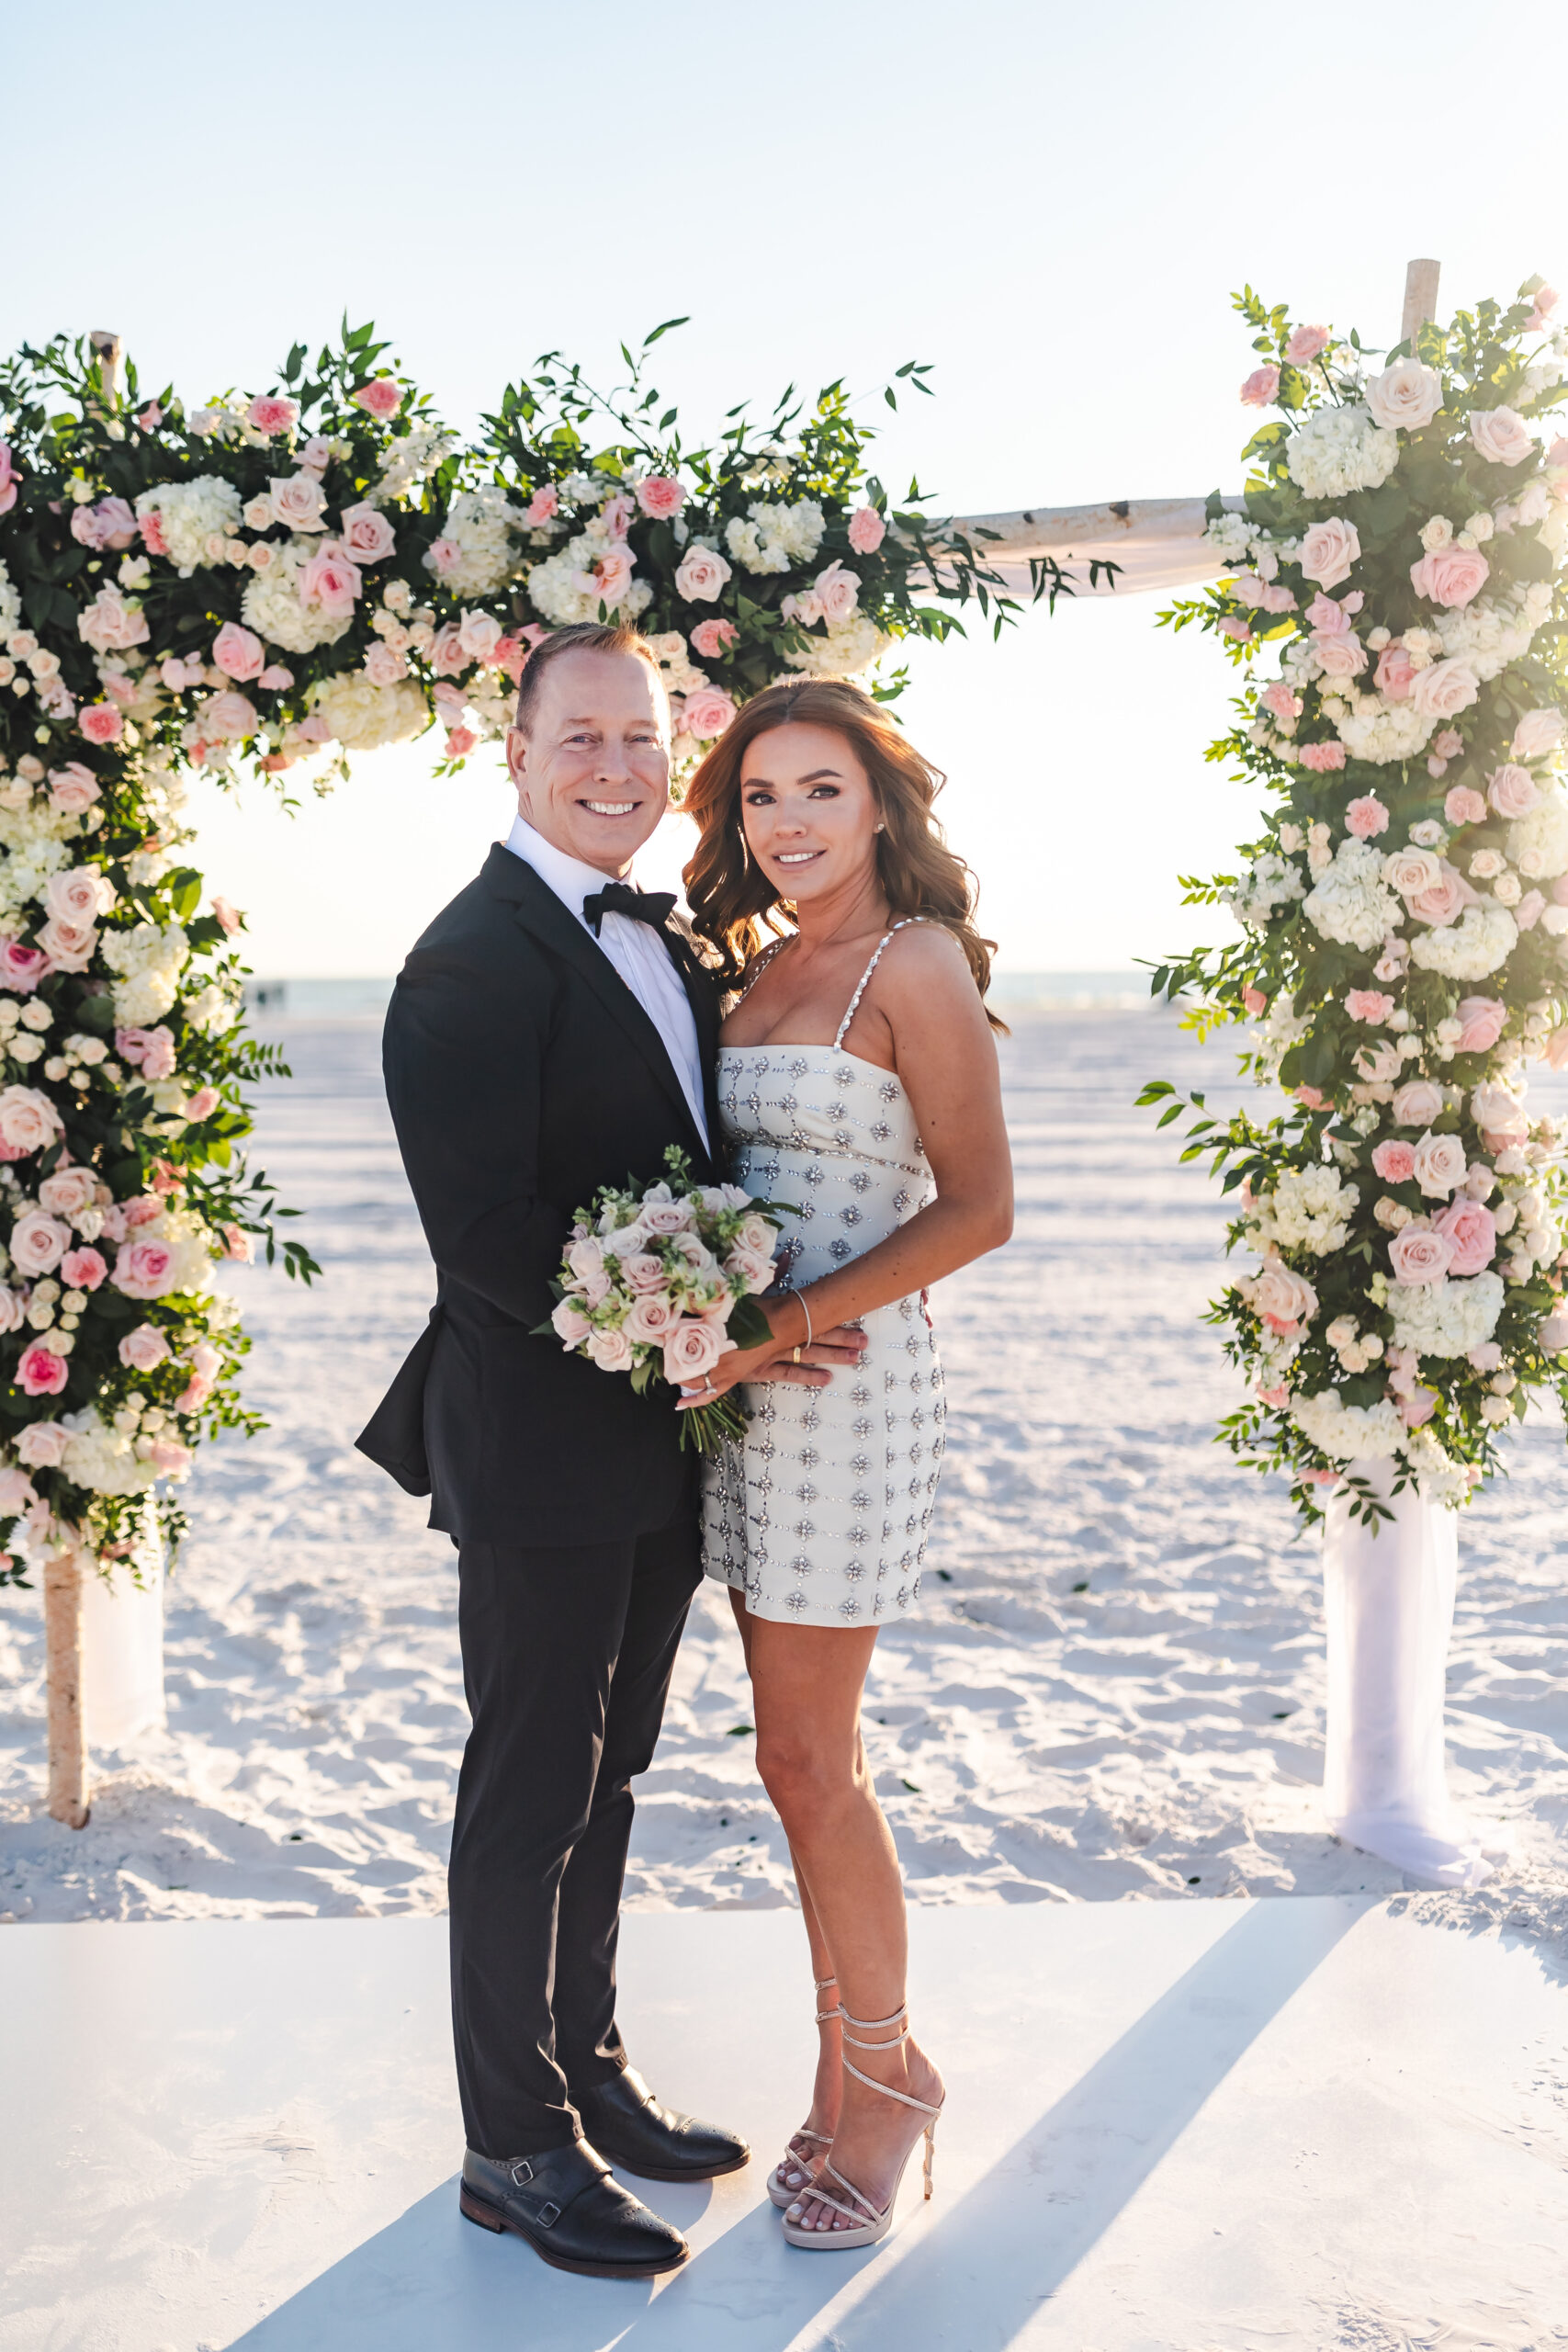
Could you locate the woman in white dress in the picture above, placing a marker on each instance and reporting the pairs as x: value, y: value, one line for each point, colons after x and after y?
x: 858, y: 1082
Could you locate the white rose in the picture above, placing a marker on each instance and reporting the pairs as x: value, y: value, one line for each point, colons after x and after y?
x: 1439, y: 1165
x: 1329, y: 551
x: 1408, y: 394
x: 702, y: 574
x: 298, y: 503
x: 1501, y: 436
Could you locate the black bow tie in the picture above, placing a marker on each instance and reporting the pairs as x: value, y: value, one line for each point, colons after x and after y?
x: 653, y: 907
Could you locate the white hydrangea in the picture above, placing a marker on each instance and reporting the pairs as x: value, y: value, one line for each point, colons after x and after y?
x: 365, y: 718
x: 492, y: 698
x: 1348, y: 1432
x: 1491, y: 633
x: 149, y: 960
x: 1537, y: 844
x: 213, y: 1009
x: 482, y: 522
x: 853, y: 646
x: 1349, y: 902
x: 274, y: 607
x: 1481, y: 941
x: 36, y: 840
x: 1372, y: 729
x: 190, y: 1247
x: 411, y: 459
x: 1231, y: 534
x: 1309, y: 1208
x: 10, y: 604
x: 1448, y: 1317
x: 191, y: 512
x: 777, y: 535
x: 102, y: 1458
x: 1338, y: 450
x: 1441, y: 1479
x: 557, y: 590
x: 1270, y: 882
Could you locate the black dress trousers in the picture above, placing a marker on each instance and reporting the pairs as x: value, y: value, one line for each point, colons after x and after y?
x: 568, y: 1652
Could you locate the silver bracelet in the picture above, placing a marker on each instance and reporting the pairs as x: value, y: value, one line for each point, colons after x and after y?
x: 807, y: 1312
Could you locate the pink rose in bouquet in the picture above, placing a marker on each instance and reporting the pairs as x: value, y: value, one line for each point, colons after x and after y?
x: 144, y: 1269
x: 38, y: 1242
x: 40, y: 1372
x: 661, y: 496
x: 17, y: 1491
x: 42, y: 1445
x: 1537, y: 732
x: 74, y: 788
x: 101, y: 723
x: 1394, y: 1161
x: 1513, y: 791
x: 366, y: 536
x: 709, y: 711
x: 702, y: 574
x: 1417, y: 1104
x: 1445, y: 689
x: 1420, y: 1254
x: 1450, y: 575
x: 1470, y: 1232
x: 381, y: 397
x: 298, y: 502
x: 1439, y: 1166
x: 83, y: 1269
x: 1501, y: 436
x: 68, y: 1192
x: 712, y: 639
x: 1330, y: 550
x: 1395, y: 673
x: 271, y: 413
x: 1480, y: 1019
x: 542, y: 507
x: 144, y: 1348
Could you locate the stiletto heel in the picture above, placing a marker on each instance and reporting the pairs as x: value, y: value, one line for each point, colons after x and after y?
x: 780, y: 2193
x: 870, y: 2222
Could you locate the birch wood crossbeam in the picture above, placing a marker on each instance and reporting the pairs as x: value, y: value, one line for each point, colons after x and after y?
x: 1157, y: 543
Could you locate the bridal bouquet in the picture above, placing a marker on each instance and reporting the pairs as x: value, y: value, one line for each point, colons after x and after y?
x: 660, y: 1285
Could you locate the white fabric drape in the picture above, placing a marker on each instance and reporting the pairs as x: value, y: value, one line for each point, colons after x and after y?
x: 1157, y: 542
x: 1389, y: 1601
x: 122, y: 1647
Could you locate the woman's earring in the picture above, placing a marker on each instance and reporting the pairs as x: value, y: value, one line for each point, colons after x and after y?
x: 879, y: 827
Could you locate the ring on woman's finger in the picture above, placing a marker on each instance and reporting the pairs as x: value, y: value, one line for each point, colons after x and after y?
x: 797, y: 1355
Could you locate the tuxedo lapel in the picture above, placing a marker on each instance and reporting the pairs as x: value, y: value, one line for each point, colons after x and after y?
x: 542, y: 912
x: 702, y: 995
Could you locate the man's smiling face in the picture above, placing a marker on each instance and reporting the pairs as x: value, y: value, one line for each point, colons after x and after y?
x: 593, y: 772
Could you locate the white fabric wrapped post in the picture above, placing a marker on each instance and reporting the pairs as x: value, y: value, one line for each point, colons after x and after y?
x: 1389, y: 1601
x: 122, y: 1646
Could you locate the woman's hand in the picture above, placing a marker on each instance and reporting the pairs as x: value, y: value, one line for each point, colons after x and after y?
x: 839, y: 1349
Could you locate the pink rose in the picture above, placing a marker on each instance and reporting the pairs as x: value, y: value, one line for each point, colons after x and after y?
x: 144, y: 1348
x: 1537, y: 732
x: 41, y: 1373
x: 366, y: 534
x: 1304, y: 344
x: 542, y: 506
x: 203, y: 1102
x: 1450, y: 575
x: 1366, y: 817
x: 28, y: 1120
x: 1444, y: 900
x: 508, y: 653
x: 1445, y: 689
x: 610, y: 1350
x: 693, y: 1348
x: 1377, y: 1063
x: 1408, y: 394
x: 68, y: 1192
x: 38, y: 1242
x: 1420, y: 1254
x: 708, y: 712
x: 807, y: 609
x: 460, y: 741
x: 298, y: 501
x: 1417, y: 1408
x: 382, y: 666
x: 1341, y: 656
x: 1439, y: 1165
x: 1481, y: 1019
x: 1552, y: 1334
x: 1326, y: 616
x: 652, y: 1319
x: 144, y: 1269
x: 1367, y: 1004
x: 1470, y: 1232
x: 1283, y: 1298
x: 1260, y: 386
x: 1464, y: 807
x: 168, y: 1456
x: 444, y: 556
x: 572, y: 1325
x: 83, y: 1269
x: 101, y: 723
x: 1410, y: 870
x: 1255, y: 1001
x: 866, y: 530
x: 238, y: 653
x: 1499, y: 1112
x: 1311, y: 1096
x: 1501, y: 438
x: 838, y: 593
x: 1322, y: 758
x: 712, y: 639
x: 17, y: 1491
x: 13, y: 1306
x: 660, y: 495
x: 9, y: 477
x: 270, y: 413
x: 152, y: 1051
x: 142, y: 1211
x: 702, y: 575
x: 381, y: 397
x: 1394, y: 675
x: 331, y: 579
x: 1417, y: 1104
x: 1530, y: 911
x: 42, y: 1445
x: 1278, y: 598
x: 1279, y: 699
x: 1513, y: 791
x: 78, y: 895
x: 1394, y: 1162
x: 1329, y: 551
x: 610, y: 576
x: 1546, y: 299
x: 617, y: 514
x: 72, y: 788
x: 447, y: 658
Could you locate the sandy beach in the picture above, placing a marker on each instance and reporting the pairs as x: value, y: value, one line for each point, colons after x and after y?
x: 1115, y: 1687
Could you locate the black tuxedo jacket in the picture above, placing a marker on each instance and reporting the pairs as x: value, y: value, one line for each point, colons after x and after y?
x: 522, y: 1074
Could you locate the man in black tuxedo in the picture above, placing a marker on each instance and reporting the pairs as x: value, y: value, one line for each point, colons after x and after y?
x: 554, y: 1030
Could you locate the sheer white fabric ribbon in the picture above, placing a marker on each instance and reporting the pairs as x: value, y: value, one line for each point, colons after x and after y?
x: 122, y: 1647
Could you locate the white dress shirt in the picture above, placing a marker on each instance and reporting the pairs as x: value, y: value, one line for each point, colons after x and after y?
x: 638, y: 952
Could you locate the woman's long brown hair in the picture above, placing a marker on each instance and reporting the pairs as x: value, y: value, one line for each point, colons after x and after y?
x: 731, y: 898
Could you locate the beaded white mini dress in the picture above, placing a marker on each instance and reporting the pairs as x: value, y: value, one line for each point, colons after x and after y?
x: 820, y: 1515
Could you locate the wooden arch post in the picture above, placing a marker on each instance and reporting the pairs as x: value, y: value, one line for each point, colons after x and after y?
x: 69, y: 1791
x: 1420, y: 297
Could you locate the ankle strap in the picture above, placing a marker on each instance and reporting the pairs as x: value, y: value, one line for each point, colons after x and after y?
x: 903, y: 2097
x: 900, y: 2017
x: 826, y: 2017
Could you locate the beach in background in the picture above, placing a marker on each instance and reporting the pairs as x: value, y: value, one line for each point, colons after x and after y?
x: 1114, y: 1687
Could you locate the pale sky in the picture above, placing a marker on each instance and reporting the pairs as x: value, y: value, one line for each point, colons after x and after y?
x: 1050, y: 203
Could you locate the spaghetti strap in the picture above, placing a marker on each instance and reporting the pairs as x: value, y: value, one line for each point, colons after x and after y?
x: 865, y: 976
x: 763, y: 960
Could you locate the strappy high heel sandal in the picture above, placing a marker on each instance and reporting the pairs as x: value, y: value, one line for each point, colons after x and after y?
x: 870, y: 2222
x: 784, y: 2194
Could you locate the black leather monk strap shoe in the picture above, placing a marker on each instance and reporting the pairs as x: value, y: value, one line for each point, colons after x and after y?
x: 626, y: 2122
x: 571, y: 2212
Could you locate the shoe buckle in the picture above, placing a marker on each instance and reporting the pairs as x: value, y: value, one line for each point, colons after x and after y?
x: 547, y: 2216
x: 521, y: 2172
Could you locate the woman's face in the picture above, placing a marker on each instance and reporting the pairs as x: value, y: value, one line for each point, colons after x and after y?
x: 808, y: 810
